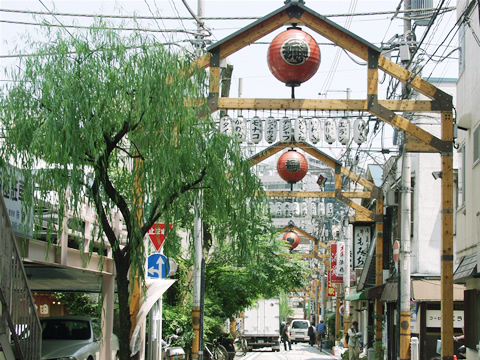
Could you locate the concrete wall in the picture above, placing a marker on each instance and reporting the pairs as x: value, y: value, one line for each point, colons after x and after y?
x: 468, y: 112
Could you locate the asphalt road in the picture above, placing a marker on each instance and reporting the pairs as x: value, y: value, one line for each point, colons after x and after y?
x: 301, y: 351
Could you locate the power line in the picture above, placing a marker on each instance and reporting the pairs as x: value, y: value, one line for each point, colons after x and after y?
x: 191, y: 32
x: 226, y: 18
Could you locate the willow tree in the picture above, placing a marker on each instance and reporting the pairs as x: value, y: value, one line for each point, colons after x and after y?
x: 105, y: 118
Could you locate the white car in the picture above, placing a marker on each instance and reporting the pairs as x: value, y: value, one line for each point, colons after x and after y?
x: 73, y: 338
x: 299, y: 330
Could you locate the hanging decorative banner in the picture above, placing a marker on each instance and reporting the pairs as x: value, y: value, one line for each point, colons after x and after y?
x: 330, y: 130
x: 240, y: 128
x: 330, y: 287
x: 333, y: 265
x: 287, y: 209
x: 344, y: 131
x: 279, y: 209
x: 315, y: 130
x: 321, y: 209
x: 304, y: 209
x: 296, y: 209
x: 360, y: 131
x: 273, y: 208
x: 340, y: 259
x: 271, y: 129
x: 226, y: 126
x: 329, y: 210
x: 313, y: 209
x: 256, y: 129
x: 361, y: 244
x: 285, y: 129
x: 300, y: 129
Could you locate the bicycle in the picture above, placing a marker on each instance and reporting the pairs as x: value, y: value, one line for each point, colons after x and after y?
x: 215, y: 351
x: 241, y: 346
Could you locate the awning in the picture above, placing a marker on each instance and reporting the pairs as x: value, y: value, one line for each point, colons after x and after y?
x: 421, y: 290
x: 390, y: 292
x: 466, y: 269
x: 430, y: 290
x: 375, y: 292
x: 357, y: 296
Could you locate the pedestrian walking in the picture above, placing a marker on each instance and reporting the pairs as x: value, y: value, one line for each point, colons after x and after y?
x: 353, y: 341
x: 285, y: 336
x: 311, y: 333
x: 321, y: 330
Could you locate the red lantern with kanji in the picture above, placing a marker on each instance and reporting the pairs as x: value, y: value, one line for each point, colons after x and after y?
x: 293, y: 57
x: 292, y: 166
x: 292, y: 239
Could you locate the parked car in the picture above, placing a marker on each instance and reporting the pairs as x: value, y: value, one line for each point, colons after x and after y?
x: 299, y: 331
x: 73, y: 337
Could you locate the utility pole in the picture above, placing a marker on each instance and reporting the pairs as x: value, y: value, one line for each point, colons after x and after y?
x: 405, y: 245
x: 346, y: 274
x: 197, y: 306
x: 322, y: 295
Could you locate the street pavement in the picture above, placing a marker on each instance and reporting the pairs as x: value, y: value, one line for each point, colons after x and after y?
x: 300, y: 351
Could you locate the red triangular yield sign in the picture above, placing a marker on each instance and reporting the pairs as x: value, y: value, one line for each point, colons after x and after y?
x: 157, y: 234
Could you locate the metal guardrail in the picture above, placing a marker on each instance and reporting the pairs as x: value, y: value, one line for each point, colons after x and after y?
x: 19, y: 321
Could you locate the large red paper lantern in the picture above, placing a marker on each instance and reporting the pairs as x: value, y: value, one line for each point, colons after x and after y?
x: 292, y: 239
x: 292, y: 166
x: 293, y: 57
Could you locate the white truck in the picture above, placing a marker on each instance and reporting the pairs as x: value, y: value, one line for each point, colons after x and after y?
x: 261, y: 325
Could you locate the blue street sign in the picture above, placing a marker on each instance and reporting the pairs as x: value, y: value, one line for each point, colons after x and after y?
x: 158, y: 266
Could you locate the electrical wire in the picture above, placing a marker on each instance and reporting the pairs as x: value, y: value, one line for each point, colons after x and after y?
x: 213, y: 18
x: 336, y: 60
x: 463, y: 18
x: 191, y: 32
x: 156, y: 20
x: 55, y: 17
x: 397, y: 10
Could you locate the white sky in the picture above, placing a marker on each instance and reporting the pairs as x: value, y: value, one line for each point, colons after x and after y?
x: 250, y: 63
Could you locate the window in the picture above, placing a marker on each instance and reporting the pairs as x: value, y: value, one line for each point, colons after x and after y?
x: 476, y: 145
x: 461, y: 178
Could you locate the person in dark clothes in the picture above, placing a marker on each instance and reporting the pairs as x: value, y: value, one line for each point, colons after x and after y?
x: 285, y: 335
x: 311, y: 333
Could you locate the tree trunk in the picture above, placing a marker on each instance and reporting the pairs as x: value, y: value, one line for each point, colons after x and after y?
x: 124, y: 313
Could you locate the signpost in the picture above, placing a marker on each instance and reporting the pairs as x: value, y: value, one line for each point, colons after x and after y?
x: 158, y: 266
x: 157, y: 234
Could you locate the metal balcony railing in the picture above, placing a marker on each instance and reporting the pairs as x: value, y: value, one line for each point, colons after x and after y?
x: 19, y: 324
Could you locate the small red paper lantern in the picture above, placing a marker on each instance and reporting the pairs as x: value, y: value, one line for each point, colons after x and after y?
x: 293, y: 57
x: 292, y: 166
x: 292, y: 239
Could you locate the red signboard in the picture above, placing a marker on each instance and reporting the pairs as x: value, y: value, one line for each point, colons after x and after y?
x: 330, y: 287
x: 157, y: 234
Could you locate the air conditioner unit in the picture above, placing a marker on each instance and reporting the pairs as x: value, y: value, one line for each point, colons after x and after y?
x: 391, y: 199
x: 422, y: 17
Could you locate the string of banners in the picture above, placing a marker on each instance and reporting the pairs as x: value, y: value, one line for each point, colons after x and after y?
x: 295, y: 129
x: 288, y: 209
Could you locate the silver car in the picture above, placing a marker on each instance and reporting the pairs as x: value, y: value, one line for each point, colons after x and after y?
x: 73, y: 338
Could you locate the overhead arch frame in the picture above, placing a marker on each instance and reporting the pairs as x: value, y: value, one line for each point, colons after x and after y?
x: 418, y: 140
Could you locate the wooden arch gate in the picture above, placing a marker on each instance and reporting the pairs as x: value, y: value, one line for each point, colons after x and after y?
x: 419, y: 140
